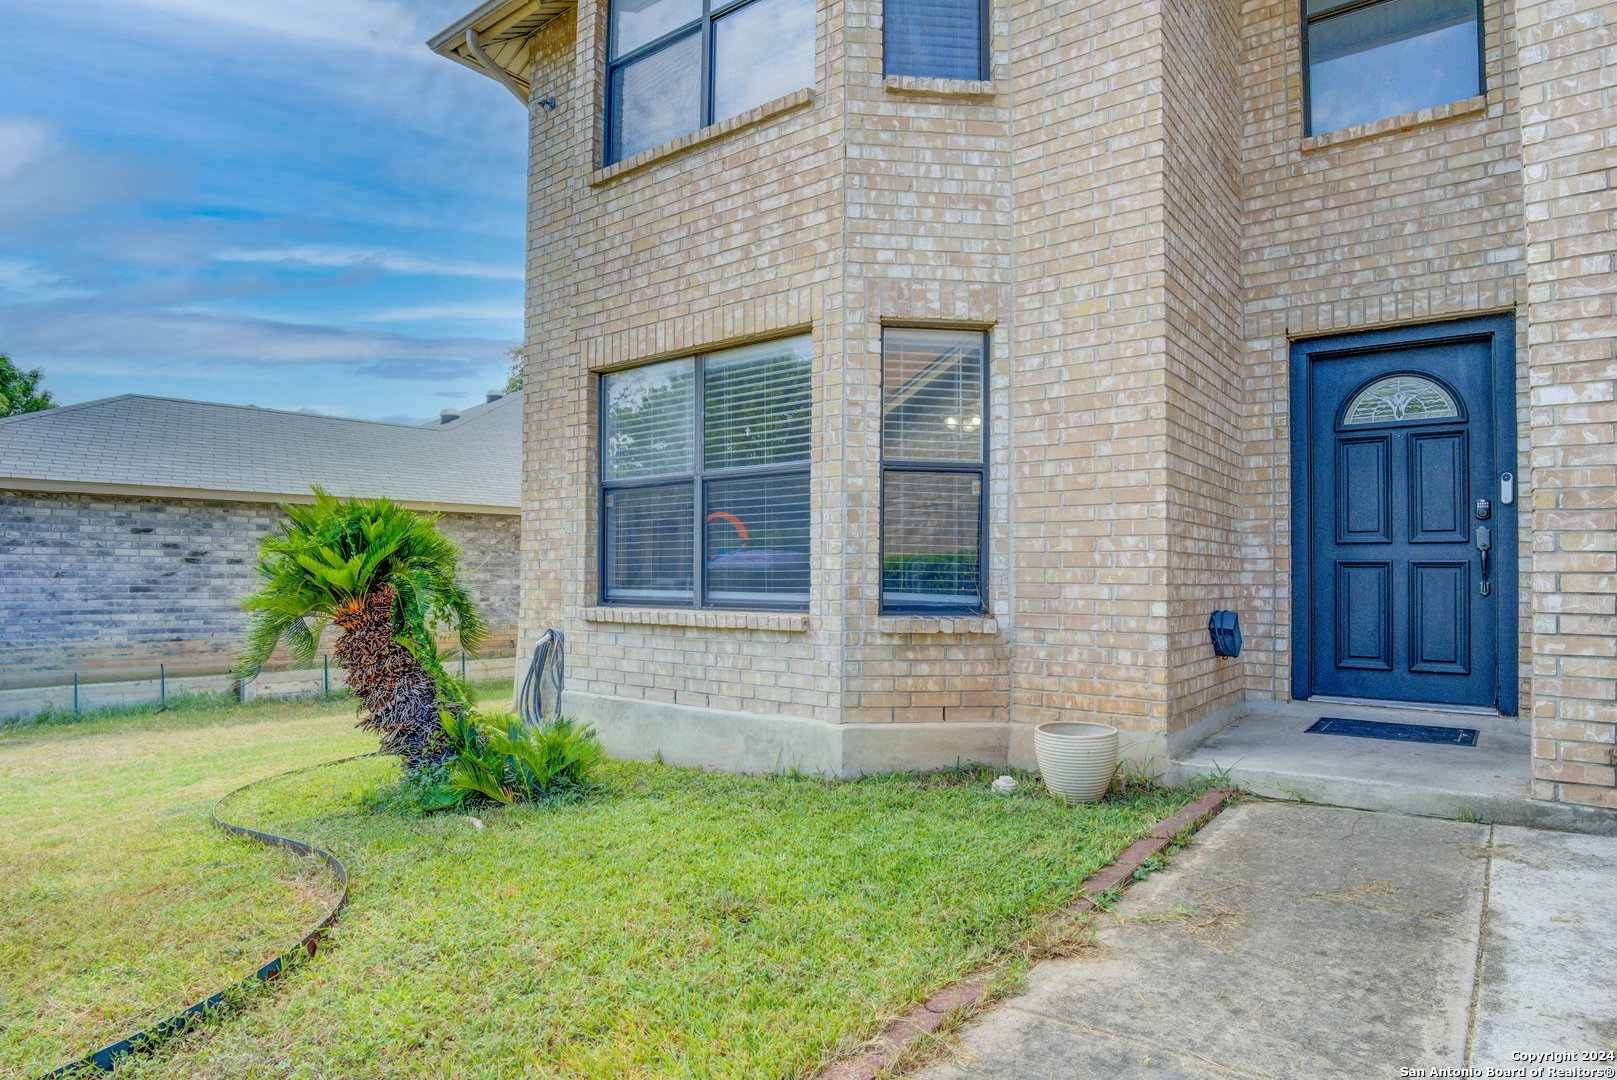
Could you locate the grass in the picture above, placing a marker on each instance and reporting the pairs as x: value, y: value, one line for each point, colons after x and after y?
x: 673, y: 924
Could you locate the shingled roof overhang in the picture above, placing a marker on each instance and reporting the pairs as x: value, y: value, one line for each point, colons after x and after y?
x: 502, y: 29
x: 166, y: 448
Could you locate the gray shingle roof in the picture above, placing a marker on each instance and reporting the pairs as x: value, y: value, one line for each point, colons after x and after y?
x: 136, y: 441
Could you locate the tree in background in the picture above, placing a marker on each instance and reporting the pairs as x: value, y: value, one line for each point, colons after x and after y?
x: 389, y: 580
x: 19, y: 390
x: 513, y: 374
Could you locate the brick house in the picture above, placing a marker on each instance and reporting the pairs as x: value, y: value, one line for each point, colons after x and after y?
x: 129, y: 526
x: 907, y: 373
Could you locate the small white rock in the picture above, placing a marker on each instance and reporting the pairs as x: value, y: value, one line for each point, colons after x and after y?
x: 477, y: 823
x: 1004, y: 785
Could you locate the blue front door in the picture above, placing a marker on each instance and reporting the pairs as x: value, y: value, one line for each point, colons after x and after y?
x: 1409, y: 585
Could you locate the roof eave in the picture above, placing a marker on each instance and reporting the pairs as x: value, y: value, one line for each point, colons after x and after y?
x: 500, y: 26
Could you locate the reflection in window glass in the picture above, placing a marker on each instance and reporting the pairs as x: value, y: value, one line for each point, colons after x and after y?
x: 933, y: 39
x: 756, y: 405
x: 932, y: 395
x: 930, y: 542
x: 648, y: 544
x: 934, y: 470
x: 728, y: 526
x: 758, y: 540
x: 1390, y: 58
x: 761, y: 52
x: 657, y: 98
x: 648, y: 421
x: 636, y: 22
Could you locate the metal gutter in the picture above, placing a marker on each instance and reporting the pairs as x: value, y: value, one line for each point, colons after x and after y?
x: 517, y: 86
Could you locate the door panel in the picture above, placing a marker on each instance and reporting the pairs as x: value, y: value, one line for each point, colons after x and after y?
x: 1439, y: 489
x: 1400, y: 438
x: 1363, y: 491
x: 1440, y: 618
x: 1364, y: 616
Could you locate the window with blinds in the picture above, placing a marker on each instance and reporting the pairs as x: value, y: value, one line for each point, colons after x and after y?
x: 1369, y: 61
x: 705, y: 480
x: 935, y: 39
x: 934, y: 470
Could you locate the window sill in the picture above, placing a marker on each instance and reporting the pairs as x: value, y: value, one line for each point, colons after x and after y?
x: 931, y: 624
x: 1436, y: 114
x: 756, y: 115
x: 790, y: 621
x: 949, y: 88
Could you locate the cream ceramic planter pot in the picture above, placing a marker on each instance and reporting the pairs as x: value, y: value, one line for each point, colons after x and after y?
x: 1076, y: 760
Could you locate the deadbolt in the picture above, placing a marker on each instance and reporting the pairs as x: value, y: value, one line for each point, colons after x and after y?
x: 1484, y: 508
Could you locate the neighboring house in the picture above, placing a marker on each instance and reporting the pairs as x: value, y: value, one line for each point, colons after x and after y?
x: 904, y: 374
x: 129, y: 525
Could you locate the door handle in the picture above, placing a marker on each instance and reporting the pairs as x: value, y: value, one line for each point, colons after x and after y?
x: 1484, y: 544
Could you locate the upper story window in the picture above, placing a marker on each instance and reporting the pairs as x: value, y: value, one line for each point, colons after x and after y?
x: 1369, y: 61
x: 678, y: 65
x: 935, y: 39
x: 934, y: 470
x: 705, y: 480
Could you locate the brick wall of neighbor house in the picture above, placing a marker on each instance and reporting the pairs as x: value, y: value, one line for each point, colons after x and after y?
x: 1569, y: 148
x: 110, y: 587
x: 1408, y: 220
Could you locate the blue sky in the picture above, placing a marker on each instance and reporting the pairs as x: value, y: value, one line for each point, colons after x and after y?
x: 285, y: 203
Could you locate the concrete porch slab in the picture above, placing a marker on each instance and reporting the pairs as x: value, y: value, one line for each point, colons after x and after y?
x: 1276, y: 756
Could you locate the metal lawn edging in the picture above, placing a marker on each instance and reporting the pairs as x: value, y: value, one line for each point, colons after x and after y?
x: 106, y: 1058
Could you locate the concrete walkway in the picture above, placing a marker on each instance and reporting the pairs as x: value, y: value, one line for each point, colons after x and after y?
x: 1293, y: 941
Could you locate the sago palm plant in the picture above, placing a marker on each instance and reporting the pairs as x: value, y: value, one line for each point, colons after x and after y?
x: 389, y: 580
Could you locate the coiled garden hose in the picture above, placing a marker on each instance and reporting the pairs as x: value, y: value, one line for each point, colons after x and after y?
x: 545, y: 672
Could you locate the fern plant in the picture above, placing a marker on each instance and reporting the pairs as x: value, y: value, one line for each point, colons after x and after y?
x: 388, y: 579
x: 505, y: 761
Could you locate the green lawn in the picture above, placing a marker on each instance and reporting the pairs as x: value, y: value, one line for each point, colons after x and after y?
x: 676, y: 924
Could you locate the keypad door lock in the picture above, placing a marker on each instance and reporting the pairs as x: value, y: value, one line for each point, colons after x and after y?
x: 1484, y: 509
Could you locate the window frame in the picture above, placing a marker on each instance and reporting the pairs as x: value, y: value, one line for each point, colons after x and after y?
x: 697, y: 478
x: 712, y: 10
x: 978, y: 469
x: 985, y: 40
x: 1307, y: 67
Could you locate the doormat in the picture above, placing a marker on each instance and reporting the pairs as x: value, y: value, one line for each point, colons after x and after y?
x: 1376, y: 729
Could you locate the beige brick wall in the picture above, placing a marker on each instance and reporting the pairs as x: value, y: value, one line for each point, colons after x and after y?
x: 725, y: 243
x: 1401, y: 222
x: 1202, y: 109
x: 927, y: 205
x: 1089, y: 554
x: 1129, y: 208
x: 1569, y: 151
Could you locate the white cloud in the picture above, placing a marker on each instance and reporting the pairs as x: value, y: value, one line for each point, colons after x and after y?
x: 23, y: 141
x: 391, y: 262
x: 504, y: 312
x: 381, y: 25
x: 88, y: 334
x: 324, y: 410
x: 29, y: 282
x: 44, y: 178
